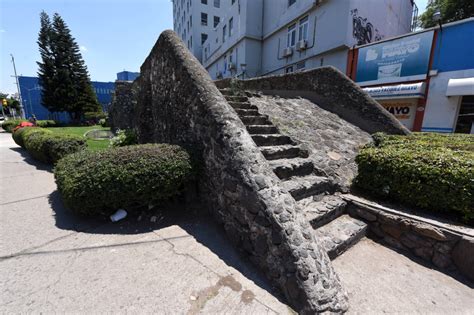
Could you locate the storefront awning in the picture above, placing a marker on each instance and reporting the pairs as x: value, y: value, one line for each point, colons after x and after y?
x: 459, y: 87
x: 415, y: 90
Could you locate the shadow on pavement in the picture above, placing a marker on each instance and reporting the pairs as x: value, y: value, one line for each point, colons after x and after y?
x: 202, y: 227
x: 29, y: 160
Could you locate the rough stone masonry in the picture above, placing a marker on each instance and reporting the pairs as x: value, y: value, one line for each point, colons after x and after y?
x: 177, y: 102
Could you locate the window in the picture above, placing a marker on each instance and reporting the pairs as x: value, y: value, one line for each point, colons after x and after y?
x: 204, y: 19
x: 224, y: 30
x: 303, y: 29
x: 216, y: 21
x: 233, y: 1
x: 191, y: 41
x: 203, y: 38
x: 291, y: 2
x: 204, y: 1
x: 231, y: 26
x: 291, y: 39
x: 191, y: 20
x: 289, y: 69
x: 300, y: 66
x: 230, y: 57
x: 217, y: 3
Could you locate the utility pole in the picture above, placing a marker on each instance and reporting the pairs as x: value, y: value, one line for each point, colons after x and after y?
x: 22, y: 110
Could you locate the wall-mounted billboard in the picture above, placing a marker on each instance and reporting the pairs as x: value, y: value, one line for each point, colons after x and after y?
x: 402, y: 59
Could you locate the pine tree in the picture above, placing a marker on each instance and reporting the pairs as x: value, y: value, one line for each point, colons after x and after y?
x: 74, y: 88
x: 63, y: 75
x: 46, y: 71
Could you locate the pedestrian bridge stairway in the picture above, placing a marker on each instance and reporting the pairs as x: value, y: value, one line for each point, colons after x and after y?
x: 325, y: 211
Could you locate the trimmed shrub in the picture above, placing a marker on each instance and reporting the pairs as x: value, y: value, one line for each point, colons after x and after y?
x: 10, y: 124
x: 99, y: 183
x: 50, y: 148
x: 21, y: 134
x: 431, y: 171
x: 46, y: 123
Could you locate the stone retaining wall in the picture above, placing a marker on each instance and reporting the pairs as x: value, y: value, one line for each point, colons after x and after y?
x: 123, y: 103
x: 445, y: 248
x: 331, y: 90
x: 178, y: 103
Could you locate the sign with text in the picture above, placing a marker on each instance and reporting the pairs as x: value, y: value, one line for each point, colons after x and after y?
x: 401, y: 59
x: 414, y: 90
x: 403, y: 110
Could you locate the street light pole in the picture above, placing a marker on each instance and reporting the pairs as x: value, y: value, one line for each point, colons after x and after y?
x: 22, y: 110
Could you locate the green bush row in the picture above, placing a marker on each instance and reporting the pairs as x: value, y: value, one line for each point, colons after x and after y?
x: 434, y: 172
x: 9, y: 125
x: 99, y: 183
x: 45, y: 146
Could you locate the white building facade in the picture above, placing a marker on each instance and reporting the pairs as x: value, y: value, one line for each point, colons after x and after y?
x: 262, y: 37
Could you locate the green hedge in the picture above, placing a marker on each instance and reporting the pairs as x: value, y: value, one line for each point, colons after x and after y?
x: 431, y: 171
x: 9, y: 125
x: 50, y: 148
x: 99, y: 183
x: 20, y: 135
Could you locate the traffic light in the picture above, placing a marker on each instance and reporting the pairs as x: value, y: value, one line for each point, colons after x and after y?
x: 4, y: 102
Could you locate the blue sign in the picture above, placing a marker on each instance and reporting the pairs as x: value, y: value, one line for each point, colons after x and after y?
x: 402, y: 59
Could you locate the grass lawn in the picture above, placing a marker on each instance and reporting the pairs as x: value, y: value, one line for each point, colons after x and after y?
x: 94, y: 145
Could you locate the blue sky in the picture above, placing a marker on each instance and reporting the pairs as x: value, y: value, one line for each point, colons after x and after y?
x: 113, y: 34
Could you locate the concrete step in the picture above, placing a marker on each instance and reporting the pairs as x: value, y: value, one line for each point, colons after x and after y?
x: 321, y: 212
x: 247, y: 112
x: 283, y: 152
x: 269, y: 140
x: 255, y: 120
x: 261, y: 129
x: 242, y: 105
x: 234, y: 98
x: 307, y: 186
x: 340, y: 234
x: 286, y: 168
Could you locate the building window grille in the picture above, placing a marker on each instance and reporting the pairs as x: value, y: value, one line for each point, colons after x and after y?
x: 204, y: 19
x: 291, y: 2
x: 224, y: 31
x: 303, y: 29
x: 217, y: 20
x: 217, y: 3
x: 291, y: 39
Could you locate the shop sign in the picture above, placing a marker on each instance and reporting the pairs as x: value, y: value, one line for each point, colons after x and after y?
x: 403, y: 110
x: 401, y: 59
x: 415, y: 90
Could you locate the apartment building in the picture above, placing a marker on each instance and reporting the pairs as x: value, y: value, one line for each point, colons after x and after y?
x: 194, y: 19
x: 262, y: 37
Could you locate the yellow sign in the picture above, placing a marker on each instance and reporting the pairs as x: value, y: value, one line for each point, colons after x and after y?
x: 403, y: 110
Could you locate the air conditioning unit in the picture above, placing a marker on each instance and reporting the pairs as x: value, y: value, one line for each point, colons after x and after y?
x: 231, y: 66
x: 287, y: 52
x: 301, y: 45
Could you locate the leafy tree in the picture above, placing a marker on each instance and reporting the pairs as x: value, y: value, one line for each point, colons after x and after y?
x: 13, y: 105
x: 451, y: 10
x: 63, y: 71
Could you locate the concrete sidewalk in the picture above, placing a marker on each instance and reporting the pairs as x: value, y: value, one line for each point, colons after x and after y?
x: 52, y: 261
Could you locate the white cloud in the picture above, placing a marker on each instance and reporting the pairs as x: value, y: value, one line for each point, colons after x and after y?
x: 2, y: 31
x: 83, y: 48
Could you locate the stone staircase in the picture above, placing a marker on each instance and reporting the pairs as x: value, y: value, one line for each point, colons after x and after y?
x: 325, y: 211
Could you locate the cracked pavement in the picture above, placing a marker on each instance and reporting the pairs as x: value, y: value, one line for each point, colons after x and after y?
x: 52, y: 261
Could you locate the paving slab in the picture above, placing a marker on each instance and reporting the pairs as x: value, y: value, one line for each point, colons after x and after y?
x: 381, y: 280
